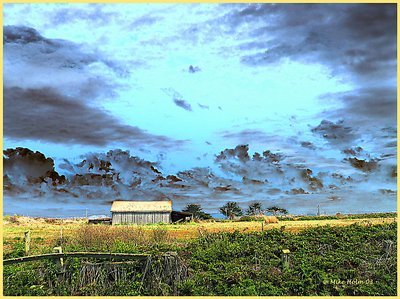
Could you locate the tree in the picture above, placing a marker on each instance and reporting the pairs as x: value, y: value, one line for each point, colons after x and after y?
x: 254, y: 209
x: 277, y: 210
x: 231, y: 209
x: 197, y: 211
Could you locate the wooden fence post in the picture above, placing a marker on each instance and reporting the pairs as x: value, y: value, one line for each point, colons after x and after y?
x: 285, y: 258
x: 59, y: 250
x: 388, y: 246
x: 27, y: 239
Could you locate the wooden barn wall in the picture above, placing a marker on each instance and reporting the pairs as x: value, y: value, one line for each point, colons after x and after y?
x: 140, y: 217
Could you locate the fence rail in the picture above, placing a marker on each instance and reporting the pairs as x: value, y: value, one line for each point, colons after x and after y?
x: 100, y: 255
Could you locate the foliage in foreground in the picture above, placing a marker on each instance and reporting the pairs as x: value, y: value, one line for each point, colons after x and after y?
x: 339, y: 216
x: 322, y: 261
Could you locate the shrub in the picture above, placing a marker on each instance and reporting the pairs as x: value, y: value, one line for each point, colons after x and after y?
x: 160, y: 235
x: 103, y: 238
x: 14, y: 219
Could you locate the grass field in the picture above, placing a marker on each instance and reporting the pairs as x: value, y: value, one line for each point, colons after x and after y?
x: 45, y: 232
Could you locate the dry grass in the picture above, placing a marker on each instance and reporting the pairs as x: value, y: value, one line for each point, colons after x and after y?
x: 101, y: 235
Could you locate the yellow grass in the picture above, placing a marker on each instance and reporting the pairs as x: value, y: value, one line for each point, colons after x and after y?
x: 52, y: 231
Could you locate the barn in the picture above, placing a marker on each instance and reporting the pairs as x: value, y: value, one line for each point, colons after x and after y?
x: 141, y: 212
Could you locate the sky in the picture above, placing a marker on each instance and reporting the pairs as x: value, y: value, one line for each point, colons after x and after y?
x: 292, y: 105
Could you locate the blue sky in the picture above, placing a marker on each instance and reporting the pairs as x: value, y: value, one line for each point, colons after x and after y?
x: 194, y: 91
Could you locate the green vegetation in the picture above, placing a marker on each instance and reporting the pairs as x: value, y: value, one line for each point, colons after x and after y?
x: 254, y: 209
x: 197, y: 212
x: 250, y: 218
x: 231, y: 209
x: 322, y: 261
x: 276, y: 210
x: 339, y: 216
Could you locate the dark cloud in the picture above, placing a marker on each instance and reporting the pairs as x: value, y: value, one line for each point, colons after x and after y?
x: 146, y: 20
x: 58, y: 102
x: 357, y: 43
x: 183, y: 104
x: 334, y: 132
x: 23, y: 167
x: 22, y: 35
x: 225, y: 188
x: 387, y: 191
x: 44, y: 114
x: 271, y: 157
x: 93, y: 13
x: 359, y: 38
x: 120, y: 175
x: 353, y: 151
x: 363, y: 165
x: 295, y: 191
x: 25, y: 44
x: 177, y: 98
x: 314, y: 183
x: 366, y: 105
x: 28, y: 51
x: 252, y: 181
x: 393, y: 172
x: 308, y: 144
x: 194, y: 69
x: 391, y: 144
x: 240, y: 152
x: 54, y: 63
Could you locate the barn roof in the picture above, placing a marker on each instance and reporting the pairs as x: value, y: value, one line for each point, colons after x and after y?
x: 141, y: 206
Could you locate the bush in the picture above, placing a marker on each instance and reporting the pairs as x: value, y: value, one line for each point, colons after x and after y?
x: 14, y: 219
x: 338, y: 216
x: 103, y: 238
x: 160, y: 235
x: 17, y: 251
x: 251, y: 264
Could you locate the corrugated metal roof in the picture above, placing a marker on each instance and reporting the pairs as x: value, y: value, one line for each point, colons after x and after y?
x: 141, y: 206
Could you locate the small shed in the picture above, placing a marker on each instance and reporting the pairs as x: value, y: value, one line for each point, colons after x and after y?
x: 141, y: 212
x: 99, y: 220
x: 181, y: 216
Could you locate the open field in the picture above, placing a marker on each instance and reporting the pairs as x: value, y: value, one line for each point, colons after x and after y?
x: 211, y: 258
x: 45, y: 232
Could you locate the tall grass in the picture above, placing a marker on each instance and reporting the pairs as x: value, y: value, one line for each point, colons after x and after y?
x: 116, y: 238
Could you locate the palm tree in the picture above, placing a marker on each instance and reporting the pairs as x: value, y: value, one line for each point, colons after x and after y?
x: 275, y: 210
x: 231, y: 209
x: 197, y: 211
x: 254, y: 209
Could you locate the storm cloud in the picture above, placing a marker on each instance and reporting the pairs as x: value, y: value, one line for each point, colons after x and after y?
x: 46, y: 115
x: 334, y: 132
x: 117, y: 174
x: 61, y: 106
x: 355, y: 42
x: 361, y: 106
x: 359, y: 38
